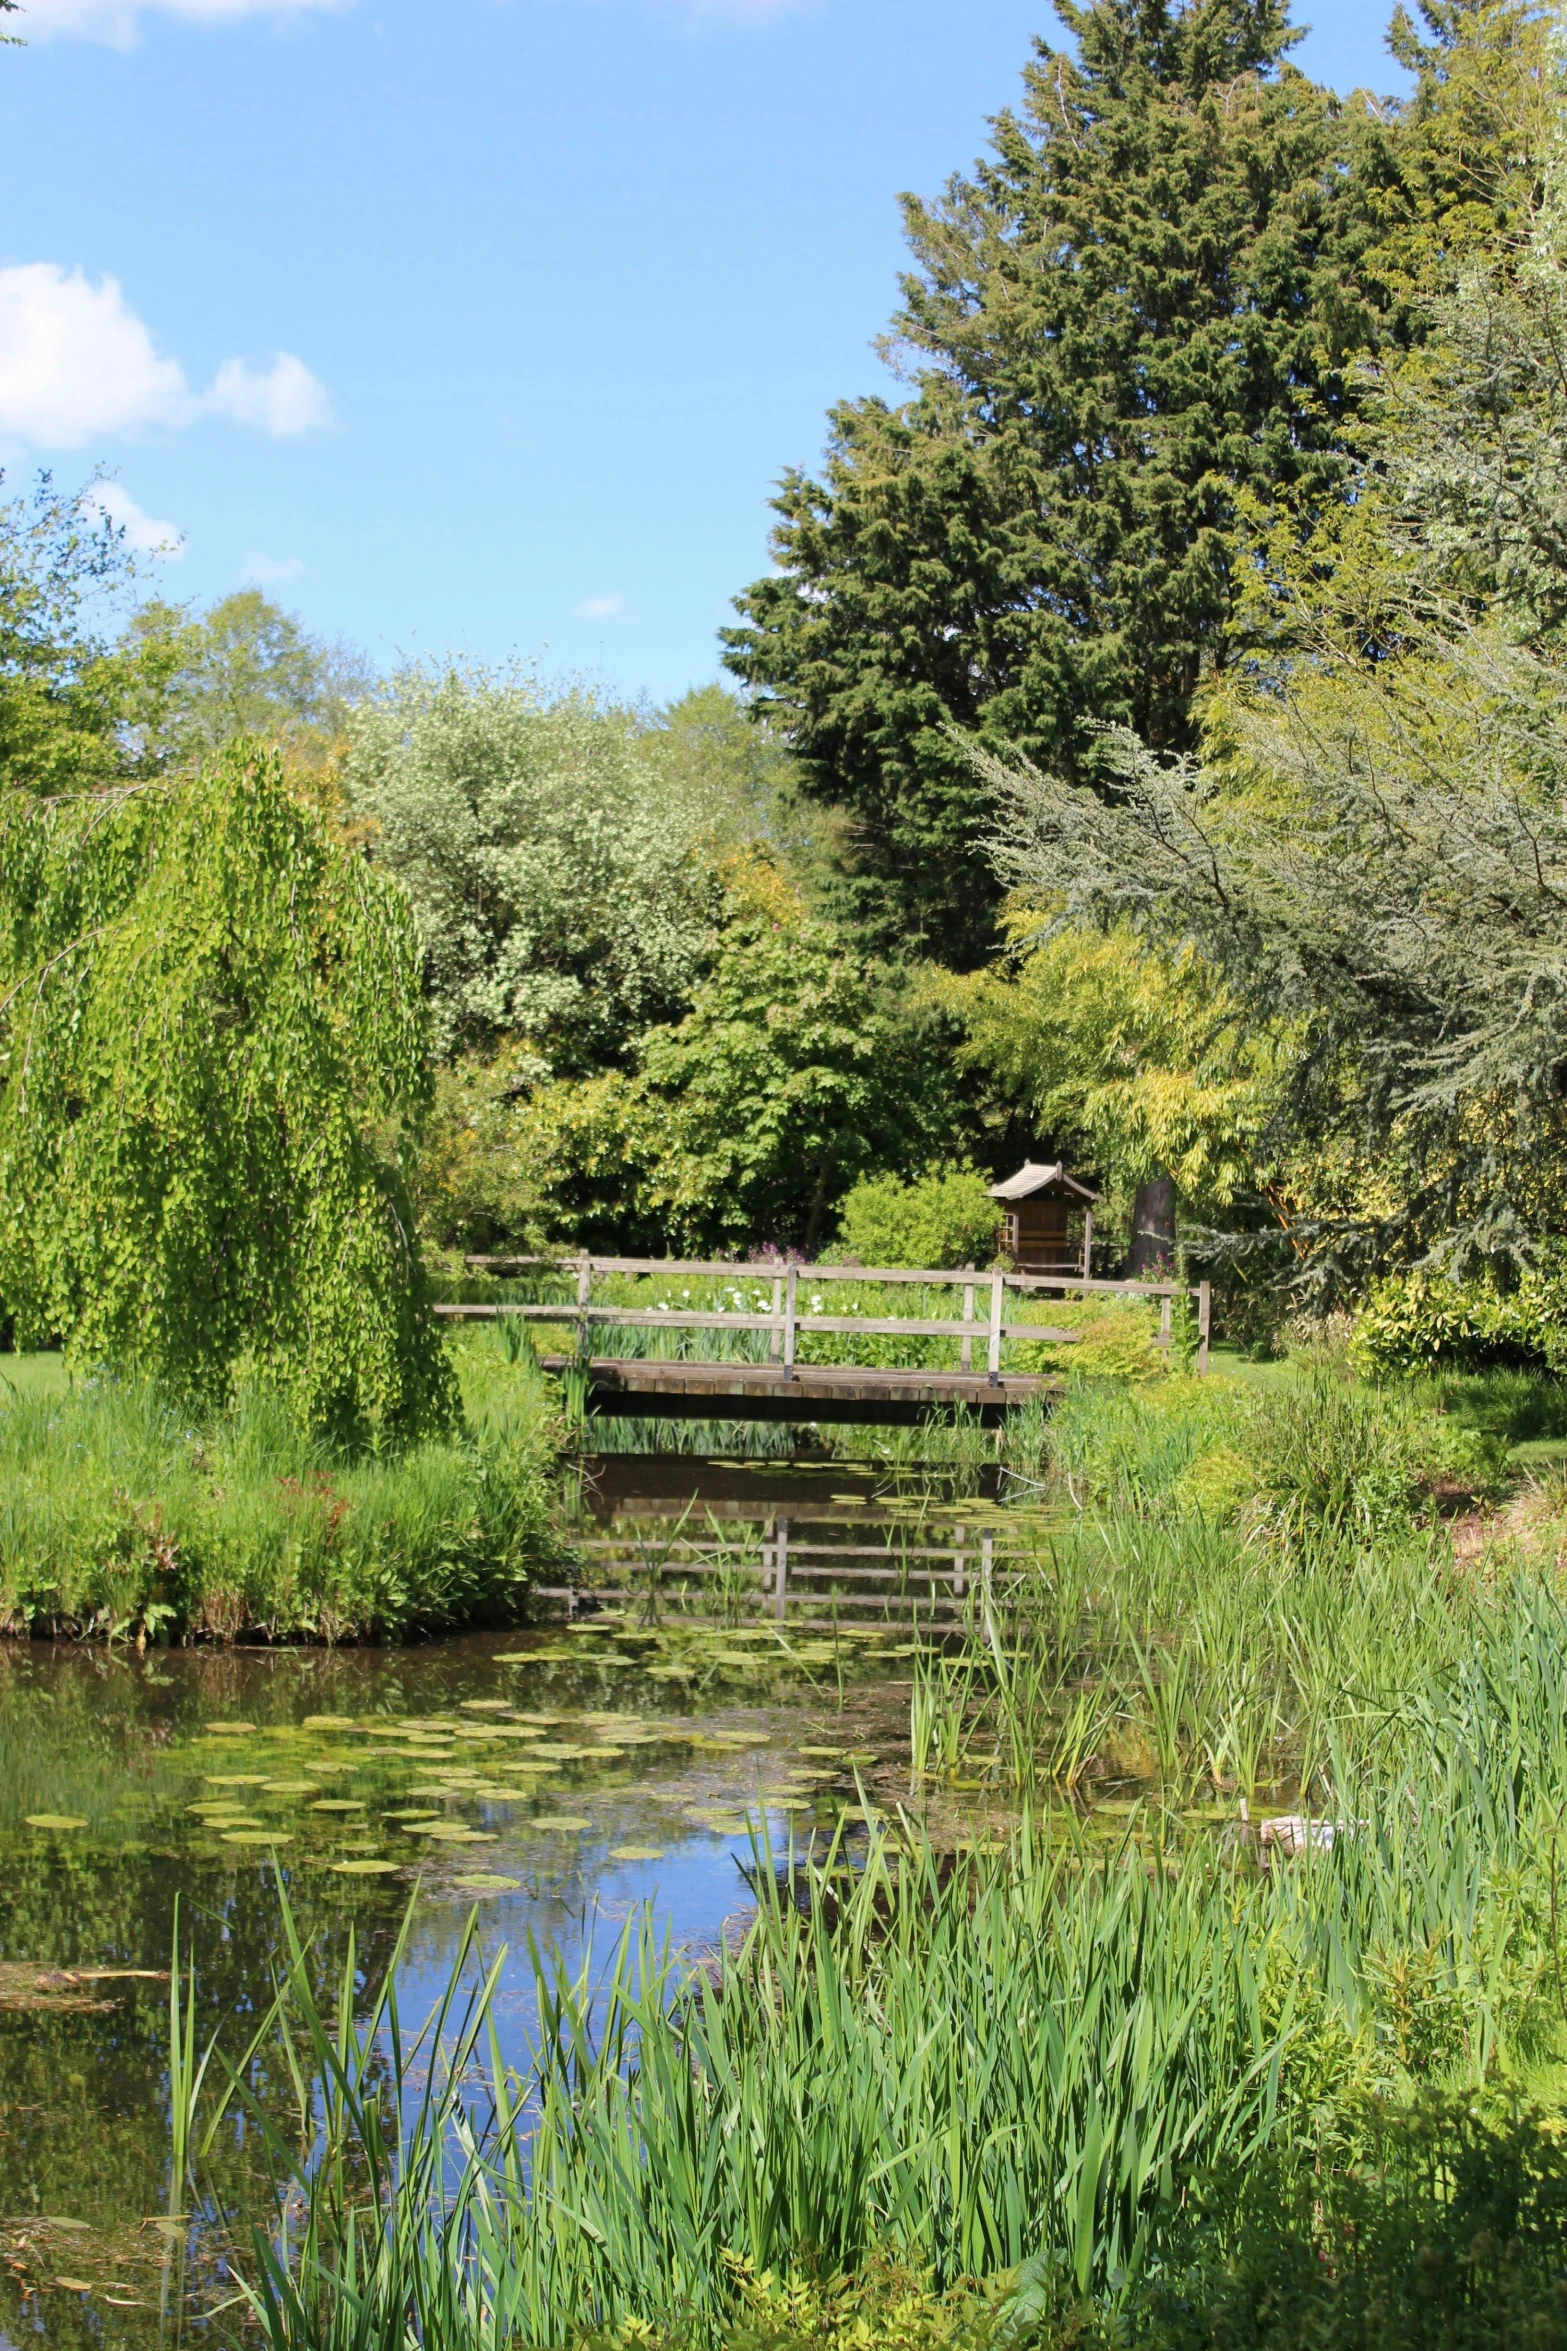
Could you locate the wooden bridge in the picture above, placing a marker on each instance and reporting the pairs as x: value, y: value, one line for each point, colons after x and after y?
x: 776, y: 1386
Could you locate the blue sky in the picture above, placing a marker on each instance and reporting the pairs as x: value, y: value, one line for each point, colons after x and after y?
x: 482, y: 326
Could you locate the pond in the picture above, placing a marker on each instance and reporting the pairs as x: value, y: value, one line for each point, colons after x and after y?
x: 644, y: 1751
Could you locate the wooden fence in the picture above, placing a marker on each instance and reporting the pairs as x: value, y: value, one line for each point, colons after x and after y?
x: 786, y: 1320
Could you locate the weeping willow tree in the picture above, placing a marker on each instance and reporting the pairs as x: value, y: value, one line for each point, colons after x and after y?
x: 211, y: 1052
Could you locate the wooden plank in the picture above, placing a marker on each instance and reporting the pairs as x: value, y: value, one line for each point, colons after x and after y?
x: 936, y: 1277
x: 838, y: 1326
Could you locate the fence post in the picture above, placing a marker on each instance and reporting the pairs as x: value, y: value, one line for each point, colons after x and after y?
x: 788, y: 1335
x: 1166, y: 1323
x: 998, y: 1293
x: 1204, y: 1324
x: 775, y: 1351
x: 584, y: 1295
x: 968, y: 1316
x: 780, y: 1565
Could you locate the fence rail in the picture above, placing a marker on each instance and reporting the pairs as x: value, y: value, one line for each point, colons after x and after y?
x: 785, y: 1321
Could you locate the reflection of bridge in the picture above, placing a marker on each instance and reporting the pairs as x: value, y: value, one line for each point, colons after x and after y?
x: 773, y: 1384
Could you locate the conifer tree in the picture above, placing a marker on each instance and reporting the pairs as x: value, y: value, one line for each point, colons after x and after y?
x: 1144, y: 300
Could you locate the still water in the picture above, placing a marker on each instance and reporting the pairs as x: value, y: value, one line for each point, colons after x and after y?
x: 559, y: 1778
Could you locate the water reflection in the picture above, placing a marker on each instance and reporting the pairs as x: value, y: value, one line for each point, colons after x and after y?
x: 359, y: 1774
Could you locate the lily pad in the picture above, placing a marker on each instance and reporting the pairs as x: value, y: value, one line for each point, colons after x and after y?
x: 448, y: 1832
x: 54, y: 1820
x: 337, y: 1804
x: 561, y: 1820
x: 483, y: 1883
x: 290, y: 1787
x: 636, y: 1853
x: 365, y: 1869
x: 229, y: 1730
x: 254, y: 1837
x: 238, y: 1779
x: 487, y: 1705
x: 76, y: 2285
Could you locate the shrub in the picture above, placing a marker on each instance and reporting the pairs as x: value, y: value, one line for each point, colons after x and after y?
x: 1419, y: 1322
x: 946, y: 1218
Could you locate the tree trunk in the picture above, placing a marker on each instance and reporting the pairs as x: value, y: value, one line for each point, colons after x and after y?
x: 813, y: 1227
x: 1153, y: 1230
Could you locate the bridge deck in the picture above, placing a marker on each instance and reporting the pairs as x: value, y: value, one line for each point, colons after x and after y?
x: 651, y: 1388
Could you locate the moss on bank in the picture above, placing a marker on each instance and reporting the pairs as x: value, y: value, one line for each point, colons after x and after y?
x: 119, y: 1518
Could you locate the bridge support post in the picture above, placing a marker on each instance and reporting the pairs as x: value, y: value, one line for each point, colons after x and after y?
x: 780, y: 1565
x: 957, y: 1564
x: 791, y: 1288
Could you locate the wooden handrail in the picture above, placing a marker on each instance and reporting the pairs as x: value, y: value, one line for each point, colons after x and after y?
x: 786, y: 1322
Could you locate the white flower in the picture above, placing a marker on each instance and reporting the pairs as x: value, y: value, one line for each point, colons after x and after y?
x: 816, y: 1306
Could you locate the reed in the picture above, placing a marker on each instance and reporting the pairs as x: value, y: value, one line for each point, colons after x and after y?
x: 1042, y: 2066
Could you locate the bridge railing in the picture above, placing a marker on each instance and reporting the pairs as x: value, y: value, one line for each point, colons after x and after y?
x: 786, y: 1321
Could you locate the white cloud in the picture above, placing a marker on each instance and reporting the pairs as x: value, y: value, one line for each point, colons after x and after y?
x: 77, y: 364
x: 269, y: 571
x: 76, y: 361
x: 119, y: 21
x: 283, y: 399
x: 142, y: 535
x: 599, y: 607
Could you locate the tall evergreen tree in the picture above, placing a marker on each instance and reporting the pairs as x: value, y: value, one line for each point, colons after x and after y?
x: 1144, y: 301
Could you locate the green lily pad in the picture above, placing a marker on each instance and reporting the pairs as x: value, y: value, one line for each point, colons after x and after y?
x: 447, y: 1832
x: 337, y: 1804
x: 561, y: 1820
x: 290, y: 1787
x: 238, y: 1779
x: 365, y: 1869
x: 636, y: 1853
x: 254, y: 1837
x: 229, y: 1730
x: 483, y: 1883
x: 54, y: 1820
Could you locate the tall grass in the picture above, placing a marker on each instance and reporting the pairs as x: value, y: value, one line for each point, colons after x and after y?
x: 119, y: 1518
x: 1033, y: 2064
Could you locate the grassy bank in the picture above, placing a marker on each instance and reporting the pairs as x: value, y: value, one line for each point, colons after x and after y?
x: 1238, y: 2018
x: 120, y: 1519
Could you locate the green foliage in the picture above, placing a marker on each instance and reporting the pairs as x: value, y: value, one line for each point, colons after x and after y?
x: 1450, y: 2234
x: 242, y: 667
x: 945, y: 1217
x: 1318, y: 1458
x: 564, y: 881
x: 118, y: 1517
x: 65, y: 696
x: 1143, y: 303
x: 211, y: 1045
x: 792, y: 1073
x: 1142, y: 1061
x: 1417, y: 1322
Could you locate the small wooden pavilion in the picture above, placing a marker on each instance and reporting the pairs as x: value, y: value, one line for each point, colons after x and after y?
x: 1049, y: 1220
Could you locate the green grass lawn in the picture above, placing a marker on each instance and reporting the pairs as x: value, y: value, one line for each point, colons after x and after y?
x: 34, y: 1375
